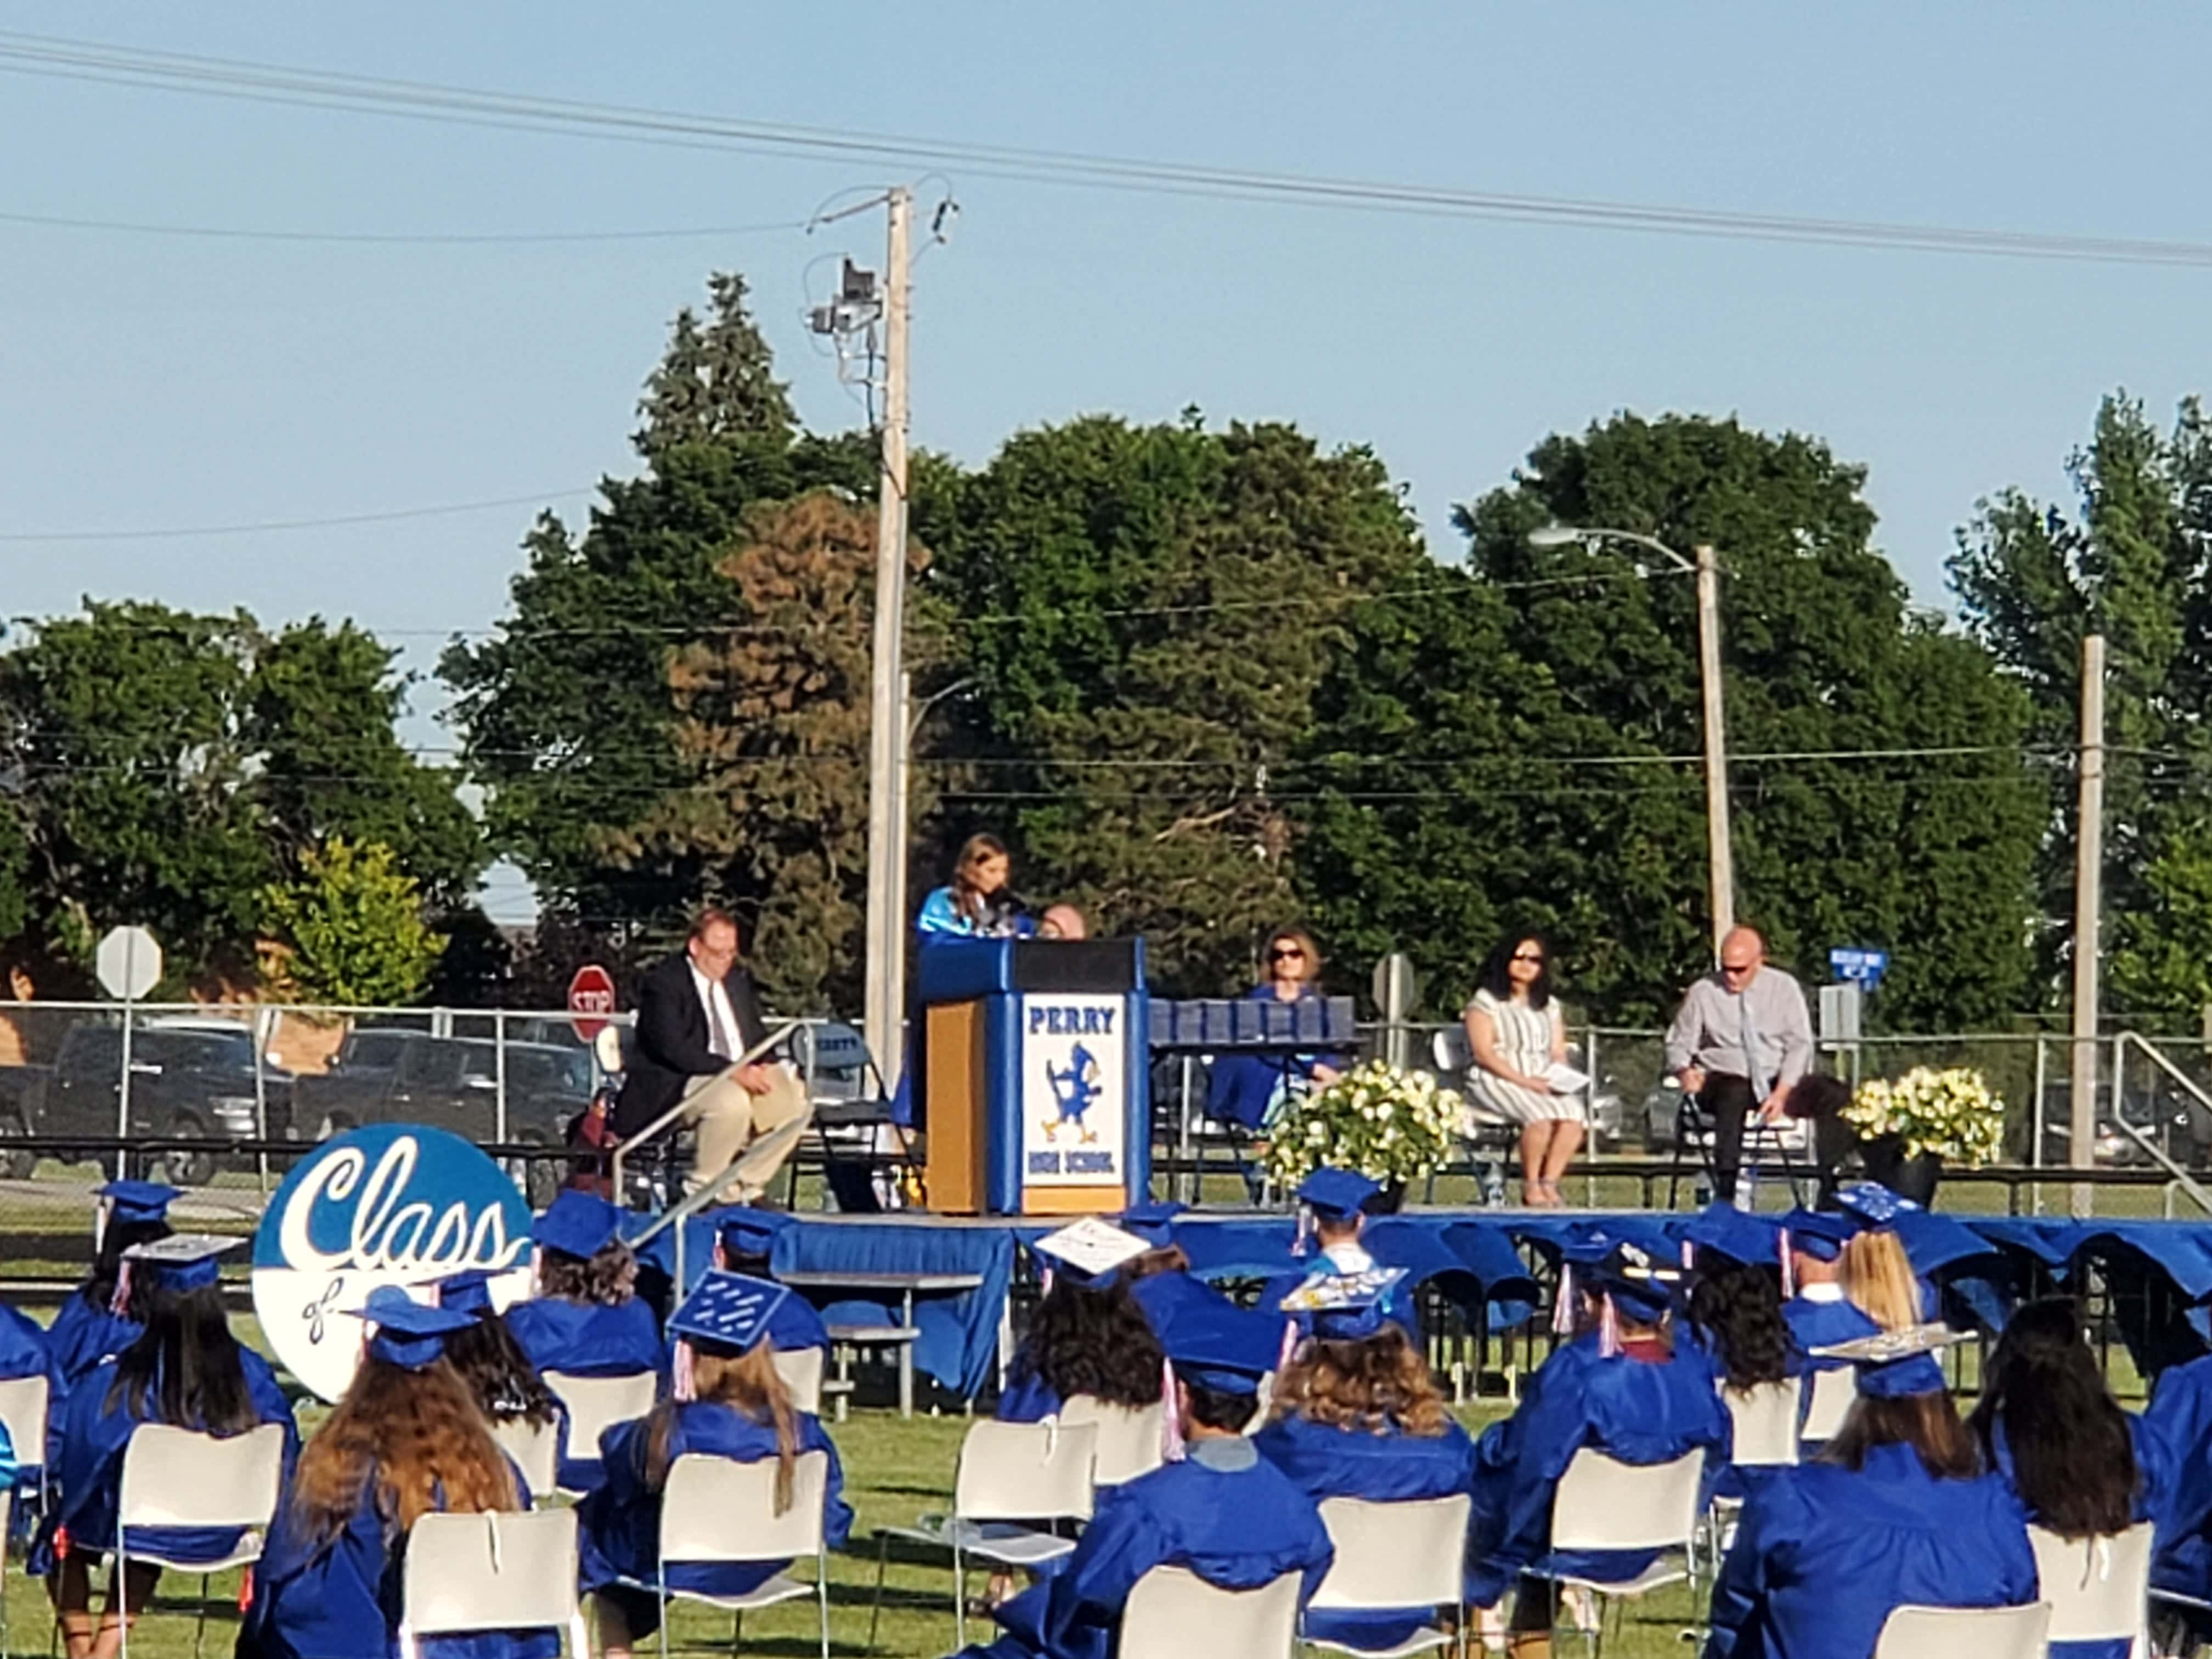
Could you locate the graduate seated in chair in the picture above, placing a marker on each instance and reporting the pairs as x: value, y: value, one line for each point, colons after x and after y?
x: 1896, y: 1511
x: 1333, y: 1207
x: 728, y: 1401
x: 586, y: 1318
x: 405, y: 1440
x: 184, y: 1369
x: 1356, y: 1414
x: 1088, y: 1335
x: 98, y: 1321
x: 1215, y: 1508
x: 499, y: 1378
x: 1618, y: 1388
x: 745, y: 1239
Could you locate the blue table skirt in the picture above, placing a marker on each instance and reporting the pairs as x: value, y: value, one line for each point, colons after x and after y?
x: 1476, y: 1258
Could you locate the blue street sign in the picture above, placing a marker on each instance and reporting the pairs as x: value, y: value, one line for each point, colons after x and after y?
x: 1865, y: 966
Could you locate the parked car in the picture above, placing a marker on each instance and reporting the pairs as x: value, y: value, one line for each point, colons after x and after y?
x: 191, y: 1078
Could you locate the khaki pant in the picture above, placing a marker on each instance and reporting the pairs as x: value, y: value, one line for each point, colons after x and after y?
x: 756, y: 1132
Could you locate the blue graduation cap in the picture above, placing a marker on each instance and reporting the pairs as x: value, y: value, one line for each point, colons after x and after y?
x: 1344, y: 1307
x: 1226, y: 1349
x: 1873, y: 1206
x: 576, y: 1224
x: 1588, y: 1244
x: 1726, y: 1231
x: 743, y: 1231
x: 1638, y: 1284
x: 1336, y: 1194
x: 182, y: 1261
x: 727, y: 1310
x: 1154, y: 1222
x: 1819, y: 1234
x: 408, y: 1334
x: 137, y: 1201
x: 1896, y: 1364
x: 466, y: 1293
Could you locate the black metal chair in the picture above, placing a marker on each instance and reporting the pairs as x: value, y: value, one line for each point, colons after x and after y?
x: 1694, y: 1135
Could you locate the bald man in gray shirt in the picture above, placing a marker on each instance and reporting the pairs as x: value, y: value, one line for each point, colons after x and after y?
x: 1740, y: 1043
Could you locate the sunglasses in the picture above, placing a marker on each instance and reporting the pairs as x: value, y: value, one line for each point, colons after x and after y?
x: 1292, y: 955
x: 1536, y: 956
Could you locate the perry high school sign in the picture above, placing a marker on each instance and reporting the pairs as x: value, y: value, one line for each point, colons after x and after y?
x: 1075, y: 1090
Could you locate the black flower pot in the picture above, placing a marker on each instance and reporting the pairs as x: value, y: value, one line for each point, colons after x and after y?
x: 1389, y: 1199
x: 1915, y: 1178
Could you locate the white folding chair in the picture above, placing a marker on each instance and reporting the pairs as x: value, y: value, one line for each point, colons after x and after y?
x: 718, y: 1510
x: 801, y: 1371
x: 1008, y: 1474
x: 173, y: 1477
x: 1601, y: 1504
x: 1950, y: 1632
x: 1835, y: 1391
x: 1765, y: 1421
x: 536, y: 1449
x: 491, y: 1571
x: 2098, y: 1589
x: 1128, y: 1437
x: 1172, y: 1613
x: 23, y: 1403
x: 596, y: 1404
x: 1411, y: 1553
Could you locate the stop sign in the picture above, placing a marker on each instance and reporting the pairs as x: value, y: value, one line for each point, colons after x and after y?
x: 591, y: 999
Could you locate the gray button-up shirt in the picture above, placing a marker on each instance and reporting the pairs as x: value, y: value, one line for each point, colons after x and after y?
x: 1710, y: 1029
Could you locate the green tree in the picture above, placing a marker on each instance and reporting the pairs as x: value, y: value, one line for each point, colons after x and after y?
x: 1519, y: 747
x: 716, y: 381
x: 1143, y: 615
x: 2130, y: 562
x: 353, y: 926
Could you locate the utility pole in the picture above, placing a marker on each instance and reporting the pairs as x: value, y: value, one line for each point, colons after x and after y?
x: 1720, y: 849
x: 2089, y: 908
x: 887, y: 826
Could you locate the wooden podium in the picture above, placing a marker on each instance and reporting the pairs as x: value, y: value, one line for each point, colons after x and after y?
x: 1034, y: 1085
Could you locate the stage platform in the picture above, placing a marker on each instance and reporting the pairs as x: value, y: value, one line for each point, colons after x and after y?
x: 1495, y: 1266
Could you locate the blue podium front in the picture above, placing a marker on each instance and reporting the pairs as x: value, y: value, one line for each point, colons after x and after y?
x: 1033, y: 1085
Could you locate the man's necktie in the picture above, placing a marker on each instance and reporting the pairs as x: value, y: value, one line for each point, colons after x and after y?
x: 718, y: 1032
x: 1761, y: 1085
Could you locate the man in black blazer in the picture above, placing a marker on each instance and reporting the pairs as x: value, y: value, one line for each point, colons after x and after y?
x: 696, y: 1014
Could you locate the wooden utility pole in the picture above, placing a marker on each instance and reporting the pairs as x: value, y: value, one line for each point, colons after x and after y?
x: 1720, y: 849
x: 2088, y: 906
x: 887, y: 827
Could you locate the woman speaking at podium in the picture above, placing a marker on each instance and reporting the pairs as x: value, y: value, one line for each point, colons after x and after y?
x: 977, y: 902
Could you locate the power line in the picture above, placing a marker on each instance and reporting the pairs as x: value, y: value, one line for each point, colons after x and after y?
x: 241, y: 79
x: 269, y: 526
x: 431, y: 238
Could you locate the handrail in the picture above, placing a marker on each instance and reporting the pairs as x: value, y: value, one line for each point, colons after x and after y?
x: 2182, y: 1178
x: 669, y: 1119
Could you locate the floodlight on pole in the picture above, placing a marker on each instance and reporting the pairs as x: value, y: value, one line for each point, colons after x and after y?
x: 1720, y: 851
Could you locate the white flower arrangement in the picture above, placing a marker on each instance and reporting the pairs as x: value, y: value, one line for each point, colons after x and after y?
x: 1950, y: 1112
x: 1386, y: 1123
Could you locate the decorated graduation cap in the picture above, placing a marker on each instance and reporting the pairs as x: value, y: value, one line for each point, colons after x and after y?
x: 1631, y: 1280
x: 466, y: 1293
x: 577, y: 1224
x: 1344, y: 1307
x: 1872, y: 1206
x: 1896, y: 1364
x: 726, y: 1313
x: 409, y: 1334
x: 1089, y: 1251
x: 182, y: 1261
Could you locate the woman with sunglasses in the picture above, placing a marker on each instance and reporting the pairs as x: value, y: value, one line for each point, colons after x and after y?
x: 1517, y: 1033
x: 1249, y: 1090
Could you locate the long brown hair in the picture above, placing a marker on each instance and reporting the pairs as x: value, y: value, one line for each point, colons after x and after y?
x: 968, y: 898
x: 748, y: 1383
x: 607, y: 1279
x: 1879, y: 1279
x: 1376, y: 1384
x: 184, y: 1369
x: 419, y: 1435
x: 1927, y: 1423
x: 2073, y: 1457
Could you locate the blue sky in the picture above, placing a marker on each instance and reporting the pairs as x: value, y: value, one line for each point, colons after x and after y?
x: 151, y: 382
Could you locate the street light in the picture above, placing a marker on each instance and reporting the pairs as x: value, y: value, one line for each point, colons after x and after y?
x: 1719, y: 846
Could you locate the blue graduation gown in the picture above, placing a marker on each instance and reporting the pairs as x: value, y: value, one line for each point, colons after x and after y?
x: 1028, y: 1399
x: 1825, y: 1553
x: 2177, y: 1428
x: 88, y: 1469
x: 81, y: 1335
x: 1243, y: 1089
x: 1640, y: 1412
x: 25, y: 1351
x: 1390, y: 1467
x: 1824, y: 1324
x: 341, y: 1598
x: 587, y: 1340
x: 619, y: 1523
x: 1237, y: 1527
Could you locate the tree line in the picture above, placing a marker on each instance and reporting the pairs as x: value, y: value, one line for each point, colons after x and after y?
x: 1205, y: 679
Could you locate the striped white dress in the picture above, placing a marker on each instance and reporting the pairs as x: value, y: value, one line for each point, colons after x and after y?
x: 1524, y: 1042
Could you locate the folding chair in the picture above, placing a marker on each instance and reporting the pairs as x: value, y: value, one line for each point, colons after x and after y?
x: 1408, y: 1554
x: 1693, y: 1135
x: 1008, y: 1473
x: 718, y: 1510
x: 491, y: 1571
x: 1765, y: 1437
x: 1604, y: 1504
x: 23, y: 1410
x: 1128, y: 1438
x: 173, y: 1477
x: 596, y: 1404
x: 2098, y: 1589
x: 1947, y: 1632
x: 801, y: 1371
x: 1835, y: 1391
x: 536, y: 1449
x: 1172, y: 1613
